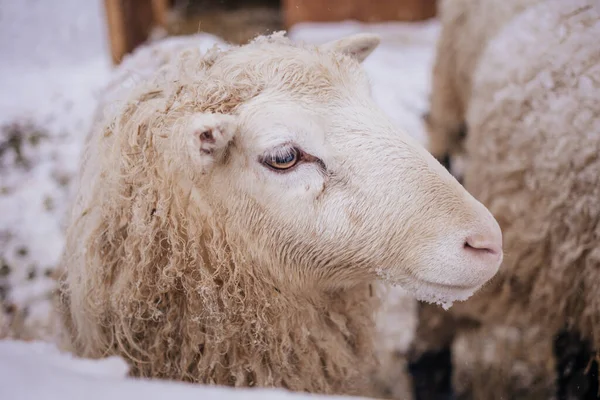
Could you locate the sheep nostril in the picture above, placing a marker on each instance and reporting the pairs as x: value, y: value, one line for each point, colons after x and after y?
x: 482, y: 245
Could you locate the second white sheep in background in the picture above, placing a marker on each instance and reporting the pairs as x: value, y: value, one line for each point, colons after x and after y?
x: 527, y: 93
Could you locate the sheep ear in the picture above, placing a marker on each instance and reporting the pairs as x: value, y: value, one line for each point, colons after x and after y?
x: 206, y: 137
x: 358, y: 46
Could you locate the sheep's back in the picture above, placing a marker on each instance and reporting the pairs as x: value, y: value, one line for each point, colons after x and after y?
x: 467, y: 28
x: 534, y: 148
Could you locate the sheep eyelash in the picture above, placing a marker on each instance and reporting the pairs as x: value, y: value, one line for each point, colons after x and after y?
x: 286, y: 150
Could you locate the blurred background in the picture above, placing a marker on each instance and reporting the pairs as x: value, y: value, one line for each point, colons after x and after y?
x: 237, y: 21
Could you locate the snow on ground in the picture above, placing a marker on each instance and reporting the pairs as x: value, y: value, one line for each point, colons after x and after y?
x: 55, y: 60
x: 39, y: 371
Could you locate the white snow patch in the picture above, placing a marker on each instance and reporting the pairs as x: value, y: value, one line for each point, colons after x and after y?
x: 40, y: 371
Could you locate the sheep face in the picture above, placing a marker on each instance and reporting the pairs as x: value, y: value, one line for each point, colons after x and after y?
x: 312, y: 182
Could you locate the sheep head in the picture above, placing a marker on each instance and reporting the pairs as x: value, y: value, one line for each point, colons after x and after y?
x: 281, y: 149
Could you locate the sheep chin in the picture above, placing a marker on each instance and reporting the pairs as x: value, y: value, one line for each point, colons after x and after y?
x: 443, y: 295
x: 429, y: 292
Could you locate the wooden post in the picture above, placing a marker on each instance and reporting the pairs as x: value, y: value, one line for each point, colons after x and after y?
x: 130, y: 23
x: 360, y: 10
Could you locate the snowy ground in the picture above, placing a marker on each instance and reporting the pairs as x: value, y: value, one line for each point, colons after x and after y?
x: 55, y: 59
x: 59, y: 376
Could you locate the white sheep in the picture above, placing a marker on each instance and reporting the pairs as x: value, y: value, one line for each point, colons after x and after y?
x: 235, y: 211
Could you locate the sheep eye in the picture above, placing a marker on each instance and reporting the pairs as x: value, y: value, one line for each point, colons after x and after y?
x: 283, y: 160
